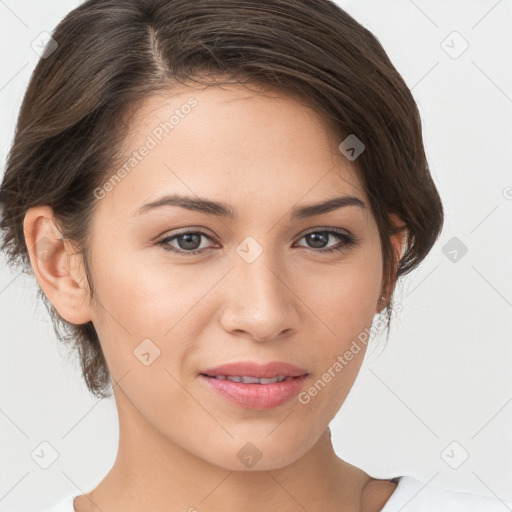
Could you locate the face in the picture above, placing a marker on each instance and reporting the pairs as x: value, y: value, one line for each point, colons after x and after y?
x: 180, y: 291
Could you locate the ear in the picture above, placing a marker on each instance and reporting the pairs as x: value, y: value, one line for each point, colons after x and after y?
x: 57, y: 269
x: 398, y: 242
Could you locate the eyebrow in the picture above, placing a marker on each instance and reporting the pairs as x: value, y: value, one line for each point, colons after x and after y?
x: 219, y: 209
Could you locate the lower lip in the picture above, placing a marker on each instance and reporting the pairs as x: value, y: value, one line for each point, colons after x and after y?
x: 256, y: 396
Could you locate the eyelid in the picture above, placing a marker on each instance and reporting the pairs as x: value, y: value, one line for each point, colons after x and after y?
x: 327, y: 229
x: 183, y: 231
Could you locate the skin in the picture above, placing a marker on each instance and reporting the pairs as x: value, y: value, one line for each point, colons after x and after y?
x: 263, y: 153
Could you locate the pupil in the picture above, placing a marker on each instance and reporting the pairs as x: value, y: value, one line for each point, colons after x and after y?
x: 315, y: 238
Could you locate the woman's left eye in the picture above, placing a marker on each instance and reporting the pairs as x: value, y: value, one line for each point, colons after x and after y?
x: 189, y: 242
x: 344, y: 240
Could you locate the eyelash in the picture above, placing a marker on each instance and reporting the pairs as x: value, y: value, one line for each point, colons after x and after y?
x: 347, y: 240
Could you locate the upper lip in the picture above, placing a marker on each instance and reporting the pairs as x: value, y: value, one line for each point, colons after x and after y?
x: 253, y: 369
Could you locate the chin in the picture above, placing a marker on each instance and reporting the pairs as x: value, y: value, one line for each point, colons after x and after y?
x: 259, y: 455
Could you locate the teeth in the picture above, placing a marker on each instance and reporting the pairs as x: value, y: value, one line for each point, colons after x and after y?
x: 270, y: 381
x: 251, y: 380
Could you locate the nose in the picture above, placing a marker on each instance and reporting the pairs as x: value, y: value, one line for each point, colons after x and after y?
x: 260, y: 303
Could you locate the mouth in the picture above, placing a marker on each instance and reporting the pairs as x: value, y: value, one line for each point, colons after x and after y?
x: 247, y: 379
x: 255, y: 386
x: 254, y: 370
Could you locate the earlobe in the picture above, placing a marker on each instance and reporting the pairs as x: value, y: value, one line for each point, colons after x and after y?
x: 51, y: 258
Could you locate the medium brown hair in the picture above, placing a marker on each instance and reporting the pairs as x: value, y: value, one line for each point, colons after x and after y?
x: 111, y: 54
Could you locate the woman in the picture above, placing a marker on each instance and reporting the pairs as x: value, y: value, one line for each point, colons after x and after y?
x: 216, y: 198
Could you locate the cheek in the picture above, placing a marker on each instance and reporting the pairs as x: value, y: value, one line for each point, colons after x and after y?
x: 148, y: 313
x: 146, y: 297
x: 345, y: 306
x: 344, y: 296
x: 344, y: 301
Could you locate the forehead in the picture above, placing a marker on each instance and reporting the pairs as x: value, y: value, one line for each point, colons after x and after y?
x: 234, y: 143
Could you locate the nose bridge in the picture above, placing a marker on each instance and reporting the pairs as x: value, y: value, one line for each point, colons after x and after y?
x: 255, y: 269
x: 262, y: 303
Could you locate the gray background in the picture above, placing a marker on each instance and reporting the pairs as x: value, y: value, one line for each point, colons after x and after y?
x: 440, y: 390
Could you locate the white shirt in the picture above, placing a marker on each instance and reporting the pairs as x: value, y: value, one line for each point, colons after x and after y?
x: 411, y: 495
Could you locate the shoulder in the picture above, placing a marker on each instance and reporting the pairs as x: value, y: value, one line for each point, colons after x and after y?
x: 413, y: 495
